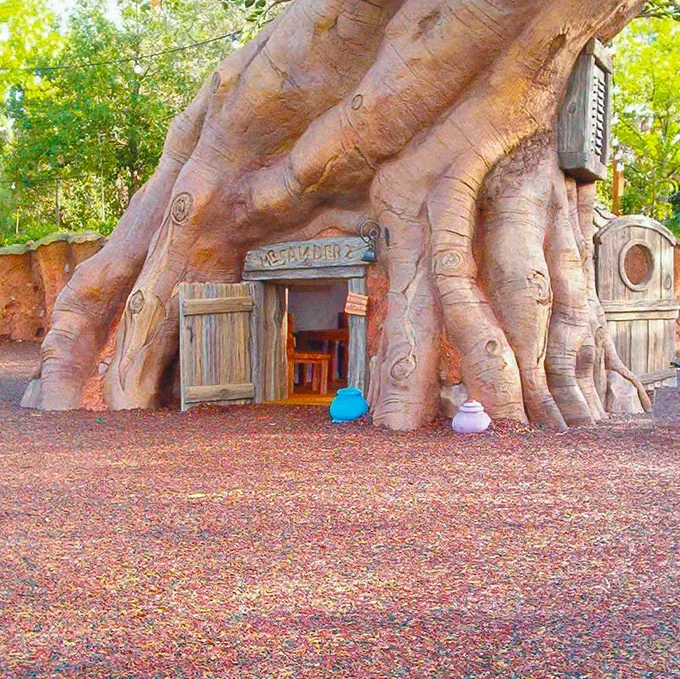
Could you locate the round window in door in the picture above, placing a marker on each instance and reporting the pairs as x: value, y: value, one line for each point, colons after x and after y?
x: 636, y: 265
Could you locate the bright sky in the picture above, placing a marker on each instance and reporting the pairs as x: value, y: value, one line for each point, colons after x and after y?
x: 63, y: 7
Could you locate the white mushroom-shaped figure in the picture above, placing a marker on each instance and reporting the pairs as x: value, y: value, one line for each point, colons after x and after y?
x: 471, y: 419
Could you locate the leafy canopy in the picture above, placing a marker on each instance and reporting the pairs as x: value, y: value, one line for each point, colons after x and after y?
x: 662, y: 9
x: 91, y: 135
x: 647, y: 117
x: 86, y: 127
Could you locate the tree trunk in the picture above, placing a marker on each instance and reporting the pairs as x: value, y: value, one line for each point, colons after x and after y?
x: 436, y: 118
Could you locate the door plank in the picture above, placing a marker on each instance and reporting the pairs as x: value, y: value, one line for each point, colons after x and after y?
x: 357, y: 368
x: 220, y: 392
x: 219, y: 305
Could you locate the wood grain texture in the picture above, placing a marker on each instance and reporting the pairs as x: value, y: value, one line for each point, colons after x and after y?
x: 667, y: 273
x: 625, y: 222
x: 357, y: 368
x: 639, y: 346
x: 623, y: 341
x: 636, y: 315
x: 312, y: 273
x: 215, y: 347
x: 576, y: 122
x: 668, y: 374
x: 222, y: 393
x: 268, y: 341
x: 641, y: 317
x: 314, y: 253
x: 658, y: 359
x: 201, y: 307
x: 637, y: 306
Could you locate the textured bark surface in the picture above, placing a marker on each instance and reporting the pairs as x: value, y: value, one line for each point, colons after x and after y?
x: 434, y: 117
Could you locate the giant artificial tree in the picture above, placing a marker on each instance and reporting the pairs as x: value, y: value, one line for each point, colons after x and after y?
x: 437, y: 118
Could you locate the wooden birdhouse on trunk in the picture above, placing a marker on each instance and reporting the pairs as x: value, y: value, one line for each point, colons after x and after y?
x: 584, y: 124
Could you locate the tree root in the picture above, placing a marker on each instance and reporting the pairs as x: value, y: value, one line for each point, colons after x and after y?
x: 396, y: 110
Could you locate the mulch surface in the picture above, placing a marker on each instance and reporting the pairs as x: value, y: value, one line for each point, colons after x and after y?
x: 267, y: 542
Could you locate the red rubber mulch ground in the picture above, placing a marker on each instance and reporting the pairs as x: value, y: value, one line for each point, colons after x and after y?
x: 266, y: 542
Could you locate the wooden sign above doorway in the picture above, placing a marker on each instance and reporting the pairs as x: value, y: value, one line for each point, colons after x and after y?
x: 319, y: 258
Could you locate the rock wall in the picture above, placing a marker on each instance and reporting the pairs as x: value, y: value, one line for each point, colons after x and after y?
x: 31, y: 277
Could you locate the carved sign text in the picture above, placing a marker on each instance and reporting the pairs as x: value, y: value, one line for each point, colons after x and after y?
x: 323, y: 252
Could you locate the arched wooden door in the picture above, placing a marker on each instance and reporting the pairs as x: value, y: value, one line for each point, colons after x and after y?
x: 635, y: 282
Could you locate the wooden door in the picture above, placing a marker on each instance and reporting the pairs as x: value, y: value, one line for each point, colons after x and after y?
x: 215, y: 343
x: 637, y: 294
x: 232, y: 343
x: 269, y: 337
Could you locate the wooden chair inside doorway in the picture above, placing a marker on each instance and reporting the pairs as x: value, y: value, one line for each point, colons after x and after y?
x: 318, y: 361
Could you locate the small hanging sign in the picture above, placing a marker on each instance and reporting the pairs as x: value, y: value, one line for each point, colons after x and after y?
x: 357, y: 305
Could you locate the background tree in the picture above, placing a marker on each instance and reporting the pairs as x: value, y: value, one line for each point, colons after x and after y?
x: 647, y: 117
x: 662, y: 9
x: 28, y: 31
x: 93, y: 134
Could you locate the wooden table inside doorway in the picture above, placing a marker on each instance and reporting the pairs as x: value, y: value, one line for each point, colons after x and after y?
x: 333, y: 337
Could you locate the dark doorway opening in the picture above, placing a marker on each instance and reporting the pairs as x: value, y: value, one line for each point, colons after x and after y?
x: 318, y: 340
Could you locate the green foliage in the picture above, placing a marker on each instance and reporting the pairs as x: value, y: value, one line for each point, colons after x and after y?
x: 29, y: 233
x: 257, y: 14
x: 647, y: 116
x: 662, y: 9
x: 28, y: 30
x: 88, y: 124
x: 93, y: 134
